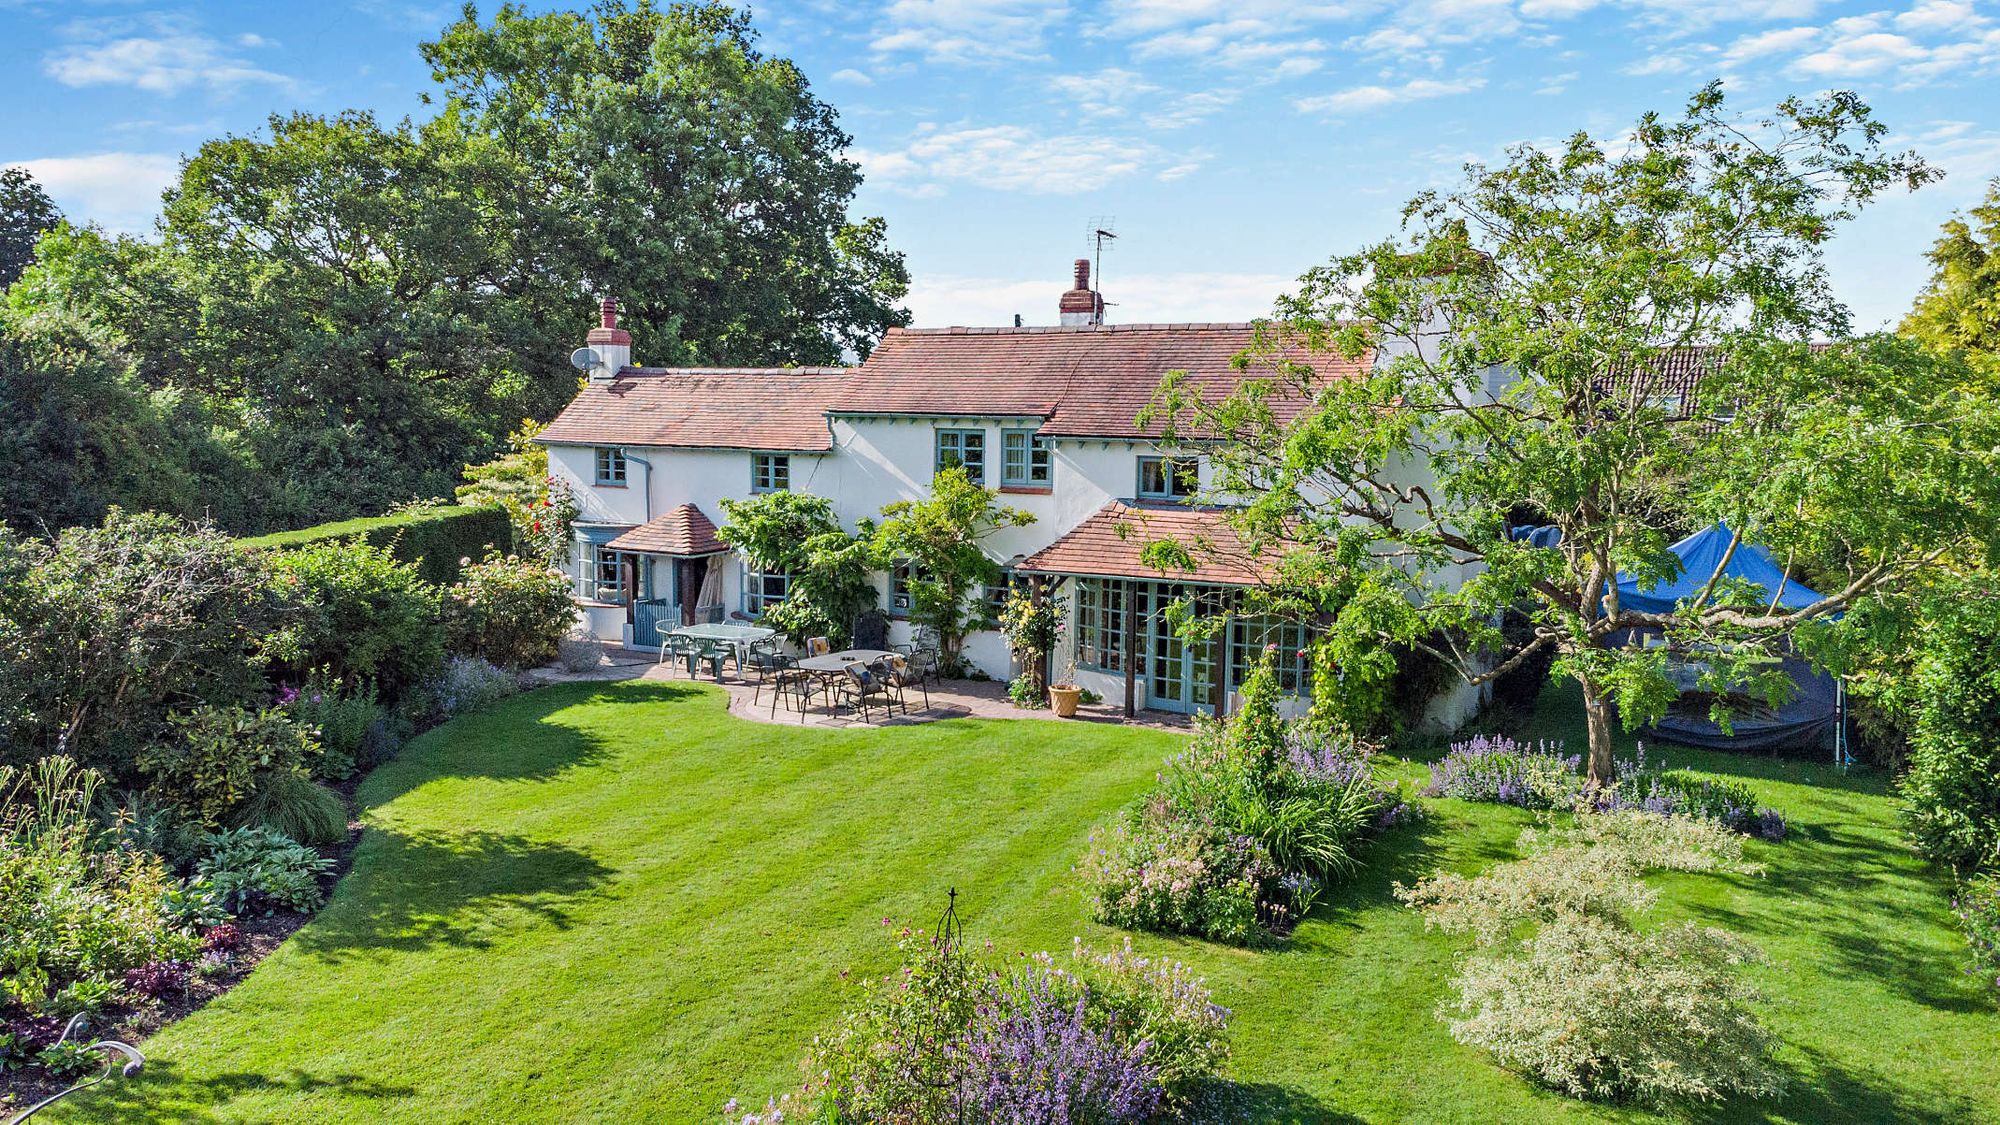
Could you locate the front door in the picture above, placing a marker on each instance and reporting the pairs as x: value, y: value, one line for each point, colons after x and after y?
x: 1179, y: 676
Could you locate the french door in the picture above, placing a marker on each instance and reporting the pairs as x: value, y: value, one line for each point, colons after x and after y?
x: 1180, y: 676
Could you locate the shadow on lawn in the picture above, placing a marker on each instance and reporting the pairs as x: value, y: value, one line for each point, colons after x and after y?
x: 411, y: 891
x: 1826, y: 1093
x: 519, y: 739
x: 160, y: 1094
x: 1237, y: 1103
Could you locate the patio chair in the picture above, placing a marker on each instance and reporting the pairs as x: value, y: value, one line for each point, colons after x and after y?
x: 902, y: 674
x: 924, y: 666
x: 708, y: 652
x: 794, y: 683
x: 766, y: 661
x: 674, y: 647
x: 862, y: 685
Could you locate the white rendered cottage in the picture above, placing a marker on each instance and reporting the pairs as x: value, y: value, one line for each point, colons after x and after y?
x: 1046, y: 415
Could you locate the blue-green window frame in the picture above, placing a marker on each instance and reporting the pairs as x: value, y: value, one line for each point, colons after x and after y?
x: 611, y: 466
x: 1025, y: 459
x: 770, y: 472
x: 763, y: 589
x: 965, y: 448
x: 1180, y: 478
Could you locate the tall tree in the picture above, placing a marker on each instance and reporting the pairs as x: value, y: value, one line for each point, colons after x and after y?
x: 1960, y: 308
x: 1519, y: 334
x: 657, y: 155
x: 25, y: 212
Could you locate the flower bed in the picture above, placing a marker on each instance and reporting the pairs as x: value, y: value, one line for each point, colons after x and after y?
x: 1245, y: 830
x: 1500, y: 770
x: 1105, y: 1038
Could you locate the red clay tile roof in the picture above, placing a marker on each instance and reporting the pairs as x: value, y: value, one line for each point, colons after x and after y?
x: 780, y: 409
x: 683, y: 531
x: 1108, y: 544
x: 1086, y: 382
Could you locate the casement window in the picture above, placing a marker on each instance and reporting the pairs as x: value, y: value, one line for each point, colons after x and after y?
x: 607, y: 573
x: 965, y: 448
x: 1248, y: 637
x: 1024, y: 459
x: 763, y: 589
x: 610, y: 465
x: 1169, y: 478
x: 996, y: 595
x: 770, y: 472
x: 900, y: 599
x: 1101, y: 624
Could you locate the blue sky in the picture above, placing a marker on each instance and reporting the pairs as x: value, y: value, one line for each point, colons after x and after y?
x: 1235, y: 142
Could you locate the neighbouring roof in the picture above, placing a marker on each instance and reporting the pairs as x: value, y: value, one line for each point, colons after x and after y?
x: 1109, y: 543
x: 1084, y: 381
x: 684, y: 531
x: 781, y: 409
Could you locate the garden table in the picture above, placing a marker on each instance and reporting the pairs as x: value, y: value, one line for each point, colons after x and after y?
x: 739, y: 637
x: 834, y: 664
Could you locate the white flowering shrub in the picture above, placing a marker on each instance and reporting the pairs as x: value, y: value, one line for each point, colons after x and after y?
x: 1548, y: 885
x: 1596, y: 1010
x: 1583, y: 1001
x: 1650, y: 842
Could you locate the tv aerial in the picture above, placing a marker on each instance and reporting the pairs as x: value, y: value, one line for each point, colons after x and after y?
x: 1100, y: 236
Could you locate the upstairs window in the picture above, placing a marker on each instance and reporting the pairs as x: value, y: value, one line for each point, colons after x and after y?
x: 611, y: 465
x: 965, y: 448
x: 1024, y: 459
x: 1169, y: 478
x: 770, y: 472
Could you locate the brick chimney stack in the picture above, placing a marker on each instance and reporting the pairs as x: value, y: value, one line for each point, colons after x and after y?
x: 612, y: 344
x: 1082, y: 306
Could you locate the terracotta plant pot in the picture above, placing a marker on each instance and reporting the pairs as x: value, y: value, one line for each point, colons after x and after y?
x: 1063, y: 701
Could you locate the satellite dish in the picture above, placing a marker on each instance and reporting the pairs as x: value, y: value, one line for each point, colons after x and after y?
x: 583, y: 359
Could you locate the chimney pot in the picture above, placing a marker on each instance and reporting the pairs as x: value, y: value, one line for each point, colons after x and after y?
x: 609, y: 306
x: 1081, y: 307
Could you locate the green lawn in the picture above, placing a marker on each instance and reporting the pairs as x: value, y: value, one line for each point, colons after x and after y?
x: 617, y: 904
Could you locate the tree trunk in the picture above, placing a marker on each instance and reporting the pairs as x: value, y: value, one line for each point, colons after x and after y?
x: 1602, y: 770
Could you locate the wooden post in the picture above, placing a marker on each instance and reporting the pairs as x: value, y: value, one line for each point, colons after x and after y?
x: 629, y: 566
x: 1045, y: 660
x: 1131, y: 603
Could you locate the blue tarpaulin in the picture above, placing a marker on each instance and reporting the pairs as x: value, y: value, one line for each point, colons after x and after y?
x: 1699, y: 553
x: 1804, y: 720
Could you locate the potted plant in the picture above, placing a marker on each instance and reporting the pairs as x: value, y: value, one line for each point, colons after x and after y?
x: 1064, y: 695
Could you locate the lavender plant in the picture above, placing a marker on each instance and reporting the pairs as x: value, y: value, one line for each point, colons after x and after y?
x: 1097, y: 1039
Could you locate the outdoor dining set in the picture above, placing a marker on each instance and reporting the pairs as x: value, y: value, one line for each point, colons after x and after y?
x: 855, y: 680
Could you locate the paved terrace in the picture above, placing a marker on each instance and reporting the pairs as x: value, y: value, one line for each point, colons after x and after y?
x: 949, y: 699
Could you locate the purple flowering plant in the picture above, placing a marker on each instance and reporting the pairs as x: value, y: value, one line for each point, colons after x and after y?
x: 1098, y: 1039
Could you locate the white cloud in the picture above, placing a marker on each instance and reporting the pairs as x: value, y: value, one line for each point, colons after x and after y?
x: 967, y: 30
x: 1102, y: 94
x: 1869, y: 53
x: 1940, y: 15
x: 939, y: 300
x: 1190, y: 109
x: 1362, y: 98
x: 849, y: 74
x: 1558, y: 84
x: 117, y: 190
x: 158, y: 54
x: 1780, y: 41
x: 1014, y: 158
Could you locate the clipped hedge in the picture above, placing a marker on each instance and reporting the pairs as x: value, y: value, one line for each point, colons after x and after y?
x: 434, y: 539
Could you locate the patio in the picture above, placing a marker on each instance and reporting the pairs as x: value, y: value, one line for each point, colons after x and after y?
x: 949, y: 699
